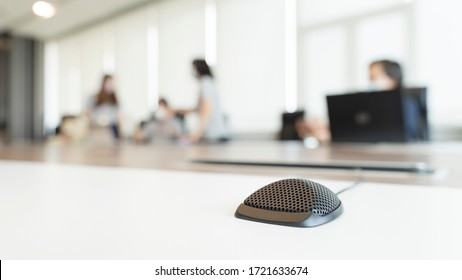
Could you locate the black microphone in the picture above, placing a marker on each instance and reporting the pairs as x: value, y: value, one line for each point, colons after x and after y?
x: 291, y: 202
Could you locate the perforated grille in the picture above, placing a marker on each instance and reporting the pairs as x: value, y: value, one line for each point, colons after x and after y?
x: 296, y: 196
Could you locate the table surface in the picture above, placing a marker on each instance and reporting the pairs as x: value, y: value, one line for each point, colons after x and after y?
x: 445, y: 157
x: 68, y: 211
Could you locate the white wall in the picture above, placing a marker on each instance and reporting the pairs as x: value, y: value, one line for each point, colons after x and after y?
x: 335, y: 55
x: 181, y: 39
x: 324, y: 68
x: 150, y: 52
x: 439, y: 58
x: 69, y: 84
x: 90, y: 63
x: 422, y: 35
x: 131, y: 65
x: 83, y: 58
x: 250, y: 63
x: 312, y: 12
x: 379, y: 37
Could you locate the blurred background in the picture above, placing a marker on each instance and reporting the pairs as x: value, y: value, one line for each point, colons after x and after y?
x: 268, y: 57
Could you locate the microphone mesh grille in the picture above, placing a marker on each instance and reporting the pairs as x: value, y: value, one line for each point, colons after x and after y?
x: 296, y: 196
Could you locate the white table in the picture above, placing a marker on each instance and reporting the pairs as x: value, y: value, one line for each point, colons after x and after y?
x: 50, y: 211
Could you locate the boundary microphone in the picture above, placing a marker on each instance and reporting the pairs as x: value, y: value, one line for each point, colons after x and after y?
x: 291, y: 202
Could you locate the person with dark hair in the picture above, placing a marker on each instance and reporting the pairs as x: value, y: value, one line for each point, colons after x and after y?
x: 211, y: 118
x: 202, y: 68
x: 386, y: 75
x: 163, y: 123
x: 103, y: 108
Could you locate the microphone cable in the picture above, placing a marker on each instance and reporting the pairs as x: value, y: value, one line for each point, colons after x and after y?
x: 359, y: 180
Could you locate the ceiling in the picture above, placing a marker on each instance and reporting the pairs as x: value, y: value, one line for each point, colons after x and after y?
x: 16, y: 16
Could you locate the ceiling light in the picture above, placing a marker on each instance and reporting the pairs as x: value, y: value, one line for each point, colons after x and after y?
x: 44, y: 9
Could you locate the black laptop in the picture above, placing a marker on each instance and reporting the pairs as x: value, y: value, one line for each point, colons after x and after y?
x: 367, y: 117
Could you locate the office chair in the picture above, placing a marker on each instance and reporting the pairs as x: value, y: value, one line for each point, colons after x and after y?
x: 289, y: 122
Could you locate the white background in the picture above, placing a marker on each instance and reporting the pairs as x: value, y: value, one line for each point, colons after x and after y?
x: 150, y: 51
x: 144, y: 270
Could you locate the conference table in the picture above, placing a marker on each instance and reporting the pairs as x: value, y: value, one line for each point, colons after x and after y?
x: 158, y: 202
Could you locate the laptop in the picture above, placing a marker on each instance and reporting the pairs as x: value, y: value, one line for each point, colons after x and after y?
x: 367, y: 117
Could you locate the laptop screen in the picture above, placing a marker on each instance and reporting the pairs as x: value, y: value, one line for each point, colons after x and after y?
x: 367, y: 117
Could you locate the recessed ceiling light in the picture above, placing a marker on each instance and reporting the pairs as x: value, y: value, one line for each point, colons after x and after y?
x: 44, y: 9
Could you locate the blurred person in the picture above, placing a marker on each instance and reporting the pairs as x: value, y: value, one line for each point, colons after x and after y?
x: 388, y: 75
x: 103, y: 108
x: 385, y: 75
x: 163, y: 123
x: 212, y: 126
x: 313, y: 130
x: 296, y: 127
x: 71, y: 130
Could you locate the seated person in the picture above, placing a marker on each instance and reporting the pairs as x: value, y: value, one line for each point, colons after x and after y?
x: 388, y: 75
x: 71, y: 130
x: 313, y: 128
x: 163, y: 123
x: 103, y: 111
x: 385, y: 75
x: 296, y: 127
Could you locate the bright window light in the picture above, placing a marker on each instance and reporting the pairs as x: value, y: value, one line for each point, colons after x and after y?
x: 211, y: 32
x: 291, y: 55
x: 51, y: 86
x: 152, y: 66
x: 43, y: 9
x: 109, y: 62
